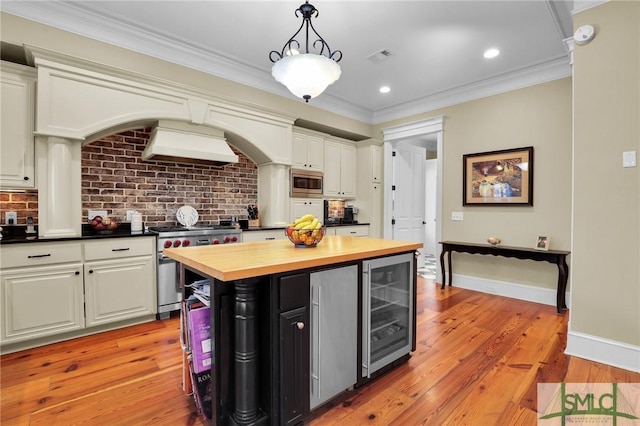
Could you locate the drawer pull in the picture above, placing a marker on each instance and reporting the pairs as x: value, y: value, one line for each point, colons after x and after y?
x: 352, y: 232
x: 270, y: 238
x: 38, y: 255
x: 120, y: 249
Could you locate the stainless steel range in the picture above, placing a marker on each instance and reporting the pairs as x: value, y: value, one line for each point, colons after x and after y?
x: 169, y: 291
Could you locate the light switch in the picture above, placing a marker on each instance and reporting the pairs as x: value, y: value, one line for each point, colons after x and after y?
x: 629, y: 159
x: 456, y: 215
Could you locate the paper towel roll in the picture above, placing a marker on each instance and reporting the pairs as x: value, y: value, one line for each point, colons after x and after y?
x: 136, y: 222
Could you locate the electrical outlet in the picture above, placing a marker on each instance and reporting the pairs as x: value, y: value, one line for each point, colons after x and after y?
x: 130, y: 215
x: 11, y: 218
x: 456, y: 216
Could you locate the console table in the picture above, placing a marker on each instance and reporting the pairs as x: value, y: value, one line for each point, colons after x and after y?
x: 559, y: 257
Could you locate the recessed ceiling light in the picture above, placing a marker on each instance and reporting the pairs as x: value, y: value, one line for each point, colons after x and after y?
x: 491, y: 53
x: 385, y: 89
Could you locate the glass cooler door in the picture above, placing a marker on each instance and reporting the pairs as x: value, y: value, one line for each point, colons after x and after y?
x: 387, y: 311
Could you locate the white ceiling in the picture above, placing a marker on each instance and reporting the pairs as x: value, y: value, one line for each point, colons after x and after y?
x: 436, y: 46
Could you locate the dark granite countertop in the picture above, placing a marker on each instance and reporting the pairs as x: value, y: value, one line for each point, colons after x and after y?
x: 328, y: 225
x: 331, y: 225
x: 17, y: 234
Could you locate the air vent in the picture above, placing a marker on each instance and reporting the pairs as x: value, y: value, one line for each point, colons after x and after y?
x: 379, y: 56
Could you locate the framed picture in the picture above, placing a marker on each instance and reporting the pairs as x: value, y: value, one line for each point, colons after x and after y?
x: 542, y: 243
x: 498, y: 178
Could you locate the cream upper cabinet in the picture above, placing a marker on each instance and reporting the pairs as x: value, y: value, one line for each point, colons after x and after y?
x: 307, y: 152
x: 369, y: 187
x: 340, y: 173
x: 376, y: 164
x: 17, y: 162
x: 301, y: 206
x: 370, y: 164
x: 120, y: 279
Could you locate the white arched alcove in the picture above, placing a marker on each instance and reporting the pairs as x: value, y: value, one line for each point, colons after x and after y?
x: 78, y: 102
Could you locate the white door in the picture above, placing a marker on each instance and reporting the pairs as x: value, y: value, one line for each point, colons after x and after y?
x: 431, y: 202
x: 408, y: 173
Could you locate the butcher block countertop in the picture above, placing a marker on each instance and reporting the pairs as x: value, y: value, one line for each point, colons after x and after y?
x: 231, y: 262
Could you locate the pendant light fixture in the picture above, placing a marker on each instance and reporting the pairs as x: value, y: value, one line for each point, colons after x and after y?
x: 307, y: 74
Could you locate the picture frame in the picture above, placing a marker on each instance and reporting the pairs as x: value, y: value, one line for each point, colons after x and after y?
x: 542, y: 243
x: 498, y: 178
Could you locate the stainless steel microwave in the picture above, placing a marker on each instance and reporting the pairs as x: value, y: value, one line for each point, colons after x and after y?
x: 306, y: 184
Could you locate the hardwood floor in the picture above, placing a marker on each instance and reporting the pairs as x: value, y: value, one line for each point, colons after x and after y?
x: 478, y: 361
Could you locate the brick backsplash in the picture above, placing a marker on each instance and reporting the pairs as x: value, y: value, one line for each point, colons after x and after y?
x: 25, y: 204
x: 116, y: 179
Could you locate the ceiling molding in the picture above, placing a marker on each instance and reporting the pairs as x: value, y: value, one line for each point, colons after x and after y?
x: 582, y: 5
x: 530, y: 76
x: 84, y: 21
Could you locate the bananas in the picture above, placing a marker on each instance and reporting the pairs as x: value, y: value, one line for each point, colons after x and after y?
x: 308, y: 221
x: 305, y: 231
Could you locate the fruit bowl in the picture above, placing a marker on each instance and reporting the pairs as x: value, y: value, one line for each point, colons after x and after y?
x: 104, y: 225
x: 305, y: 237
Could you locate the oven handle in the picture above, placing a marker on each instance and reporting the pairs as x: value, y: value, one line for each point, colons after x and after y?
x: 164, y: 259
x: 204, y: 242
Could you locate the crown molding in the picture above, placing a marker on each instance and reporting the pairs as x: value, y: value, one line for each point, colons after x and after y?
x: 87, y: 22
x: 582, y: 5
x: 518, y: 79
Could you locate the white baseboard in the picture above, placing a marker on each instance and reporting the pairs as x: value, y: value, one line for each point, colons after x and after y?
x: 546, y: 296
x: 593, y: 348
x: 604, y: 351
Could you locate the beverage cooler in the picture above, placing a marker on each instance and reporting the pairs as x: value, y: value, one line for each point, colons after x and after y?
x: 388, y: 311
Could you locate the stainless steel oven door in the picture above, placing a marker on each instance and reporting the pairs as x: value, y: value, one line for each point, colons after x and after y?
x: 169, y: 292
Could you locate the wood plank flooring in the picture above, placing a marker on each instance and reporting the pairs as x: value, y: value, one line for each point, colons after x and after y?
x: 478, y: 360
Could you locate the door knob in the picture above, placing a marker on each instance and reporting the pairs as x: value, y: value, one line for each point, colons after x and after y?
x: 300, y: 325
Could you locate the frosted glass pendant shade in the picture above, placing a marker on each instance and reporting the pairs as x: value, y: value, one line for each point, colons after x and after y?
x: 306, y: 75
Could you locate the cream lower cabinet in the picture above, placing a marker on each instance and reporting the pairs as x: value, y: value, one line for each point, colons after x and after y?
x: 353, y: 231
x: 43, y: 301
x: 41, y: 290
x: 119, y: 279
x: 264, y: 235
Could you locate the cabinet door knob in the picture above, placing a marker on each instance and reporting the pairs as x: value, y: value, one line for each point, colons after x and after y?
x: 91, y: 271
x: 26, y: 178
x: 300, y: 325
x: 77, y: 272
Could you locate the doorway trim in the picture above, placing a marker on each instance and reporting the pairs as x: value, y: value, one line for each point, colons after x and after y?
x: 414, y: 130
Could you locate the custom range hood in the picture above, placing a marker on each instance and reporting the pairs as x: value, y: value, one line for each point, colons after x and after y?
x: 188, y: 143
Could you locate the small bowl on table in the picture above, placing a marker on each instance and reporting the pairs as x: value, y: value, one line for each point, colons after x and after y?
x: 494, y: 241
x: 305, y: 237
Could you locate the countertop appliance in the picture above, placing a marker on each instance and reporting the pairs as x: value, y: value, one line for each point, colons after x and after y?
x: 169, y: 291
x: 339, y: 212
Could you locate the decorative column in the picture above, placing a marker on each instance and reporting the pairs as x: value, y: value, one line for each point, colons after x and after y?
x: 246, y: 357
x: 58, y: 177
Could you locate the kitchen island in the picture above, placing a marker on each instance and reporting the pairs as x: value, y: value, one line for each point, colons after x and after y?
x: 260, y: 303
